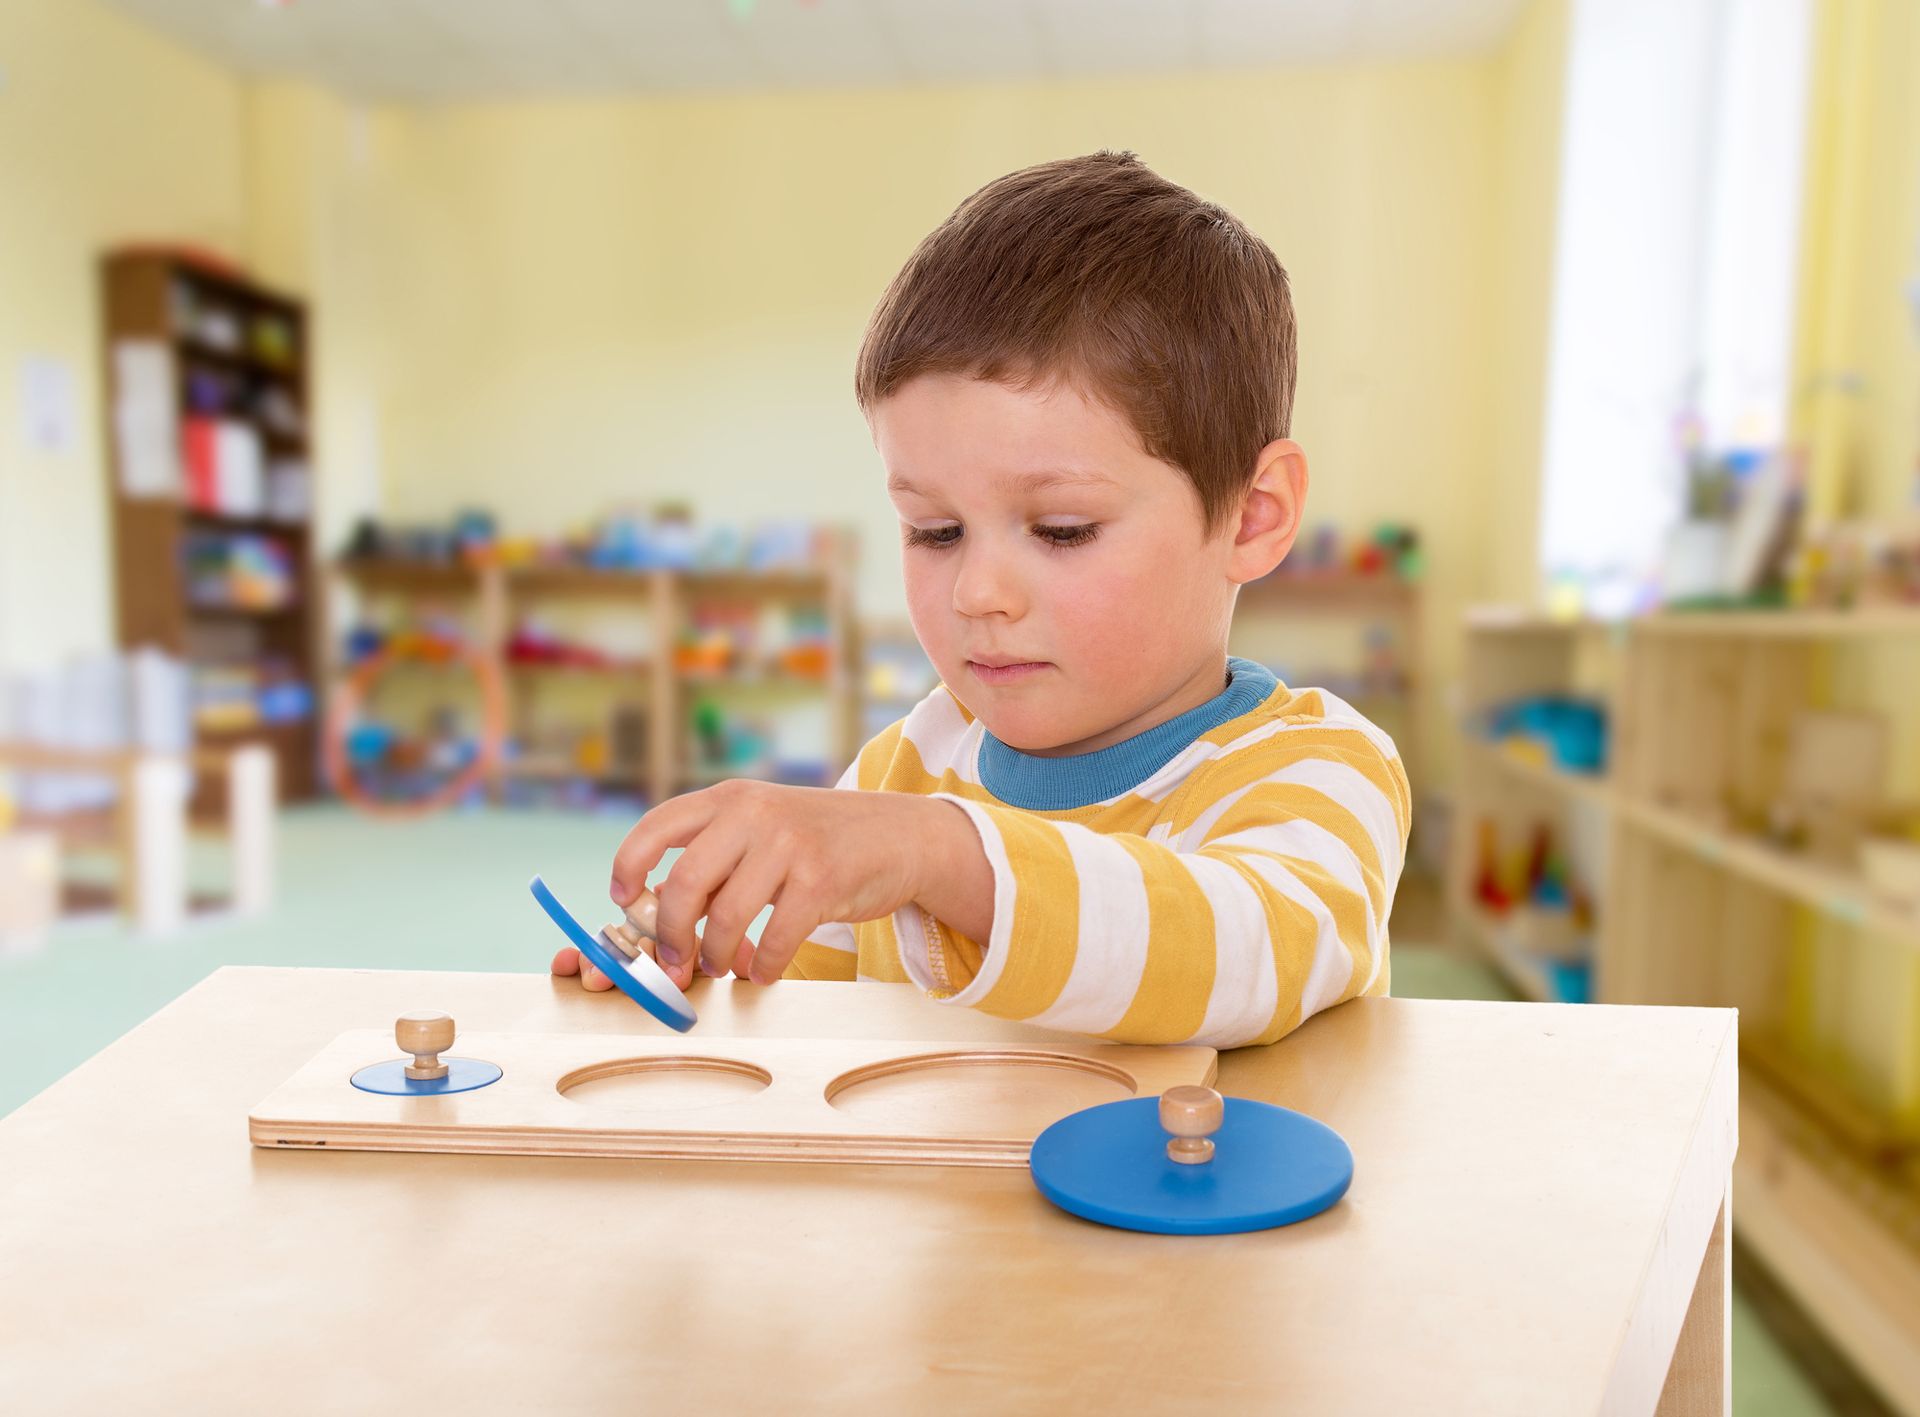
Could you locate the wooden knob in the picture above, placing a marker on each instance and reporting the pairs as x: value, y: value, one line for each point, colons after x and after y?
x: 1192, y: 1114
x: 644, y: 914
x: 426, y: 1036
x: 624, y: 938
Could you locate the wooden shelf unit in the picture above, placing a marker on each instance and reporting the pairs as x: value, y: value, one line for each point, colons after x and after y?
x: 666, y: 598
x: 150, y: 533
x: 1692, y: 911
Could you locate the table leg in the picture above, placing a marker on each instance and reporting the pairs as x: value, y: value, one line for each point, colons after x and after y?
x: 1700, y: 1378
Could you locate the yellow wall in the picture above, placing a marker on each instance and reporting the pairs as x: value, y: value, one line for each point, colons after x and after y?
x: 325, y: 215
x: 1857, y: 997
x: 580, y: 304
x: 107, y: 134
x: 1529, y: 93
x: 1857, y: 342
x: 548, y: 308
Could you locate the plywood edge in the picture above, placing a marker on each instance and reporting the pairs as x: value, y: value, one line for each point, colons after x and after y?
x: 1702, y: 1185
x: 503, y: 1141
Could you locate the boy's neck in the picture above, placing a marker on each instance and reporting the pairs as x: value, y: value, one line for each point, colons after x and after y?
x: 1205, y: 684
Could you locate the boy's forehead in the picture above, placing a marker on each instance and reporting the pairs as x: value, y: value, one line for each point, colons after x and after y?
x: 1027, y: 440
x: 1020, y: 483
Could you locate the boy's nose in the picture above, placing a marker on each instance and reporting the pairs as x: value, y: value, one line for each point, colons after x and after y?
x: 985, y: 585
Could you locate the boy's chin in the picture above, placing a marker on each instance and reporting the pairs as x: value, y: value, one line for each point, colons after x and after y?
x: 1027, y: 735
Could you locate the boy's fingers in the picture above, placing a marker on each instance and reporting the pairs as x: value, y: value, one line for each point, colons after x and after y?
x: 697, y: 876
x: 570, y: 962
x: 675, y: 822
x: 781, y: 939
x: 743, y: 895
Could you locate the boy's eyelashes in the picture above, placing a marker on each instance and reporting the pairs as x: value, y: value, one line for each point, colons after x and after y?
x: 939, y: 537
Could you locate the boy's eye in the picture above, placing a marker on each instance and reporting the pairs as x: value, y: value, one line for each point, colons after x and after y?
x: 932, y: 536
x: 1068, y: 535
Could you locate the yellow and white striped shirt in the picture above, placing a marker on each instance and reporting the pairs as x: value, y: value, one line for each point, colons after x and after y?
x: 1218, y: 879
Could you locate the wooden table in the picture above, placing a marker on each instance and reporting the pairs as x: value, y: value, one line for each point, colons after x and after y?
x: 1537, y: 1224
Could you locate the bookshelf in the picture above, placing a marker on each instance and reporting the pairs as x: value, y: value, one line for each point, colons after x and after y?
x: 210, y: 487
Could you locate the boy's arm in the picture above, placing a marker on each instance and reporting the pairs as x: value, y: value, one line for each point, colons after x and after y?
x: 1264, y: 903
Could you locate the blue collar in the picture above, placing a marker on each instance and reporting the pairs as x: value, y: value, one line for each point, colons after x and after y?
x: 1062, y: 784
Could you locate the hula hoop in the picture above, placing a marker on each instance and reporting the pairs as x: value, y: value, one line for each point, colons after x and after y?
x: 352, y: 692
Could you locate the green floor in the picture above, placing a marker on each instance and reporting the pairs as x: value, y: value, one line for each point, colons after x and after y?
x: 450, y: 893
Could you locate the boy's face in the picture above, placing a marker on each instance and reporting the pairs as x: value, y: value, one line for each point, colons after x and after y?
x: 1057, y: 574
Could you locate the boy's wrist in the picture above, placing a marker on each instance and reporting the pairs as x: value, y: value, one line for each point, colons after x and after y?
x: 954, y: 879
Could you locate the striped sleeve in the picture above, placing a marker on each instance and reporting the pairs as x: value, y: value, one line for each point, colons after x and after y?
x: 1261, y: 902
x: 830, y: 952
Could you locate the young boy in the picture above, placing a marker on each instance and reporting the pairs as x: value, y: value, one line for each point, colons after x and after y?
x: 1080, y: 386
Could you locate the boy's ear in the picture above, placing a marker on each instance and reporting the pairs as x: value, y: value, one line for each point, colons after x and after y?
x: 1269, y: 512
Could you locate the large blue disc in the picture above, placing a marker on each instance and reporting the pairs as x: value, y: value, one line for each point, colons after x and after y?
x: 463, y: 1075
x: 1271, y: 1166
x: 640, y: 979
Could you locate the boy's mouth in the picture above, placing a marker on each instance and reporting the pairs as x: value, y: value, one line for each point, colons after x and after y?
x: 1005, y: 672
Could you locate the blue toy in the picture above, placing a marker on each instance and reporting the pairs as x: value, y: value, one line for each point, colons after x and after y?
x: 426, y: 1074
x: 640, y: 979
x: 1114, y: 1164
x: 463, y: 1075
x: 1574, y: 731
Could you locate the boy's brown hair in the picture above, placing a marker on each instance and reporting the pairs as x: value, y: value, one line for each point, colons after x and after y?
x: 1098, y: 270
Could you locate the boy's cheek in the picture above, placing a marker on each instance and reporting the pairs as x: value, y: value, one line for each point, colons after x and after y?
x: 1111, y: 622
x: 932, y: 618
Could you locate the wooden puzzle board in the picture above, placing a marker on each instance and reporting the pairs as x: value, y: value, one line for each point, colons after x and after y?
x: 761, y: 1099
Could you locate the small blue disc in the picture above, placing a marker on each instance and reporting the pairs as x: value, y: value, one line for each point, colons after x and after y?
x: 640, y: 979
x: 1271, y: 1166
x: 463, y: 1075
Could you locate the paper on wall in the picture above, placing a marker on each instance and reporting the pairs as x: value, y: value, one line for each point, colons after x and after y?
x: 49, y: 405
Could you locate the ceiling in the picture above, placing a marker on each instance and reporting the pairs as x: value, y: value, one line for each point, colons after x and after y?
x: 449, y: 50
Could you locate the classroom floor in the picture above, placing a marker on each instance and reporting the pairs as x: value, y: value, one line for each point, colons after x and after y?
x: 450, y: 893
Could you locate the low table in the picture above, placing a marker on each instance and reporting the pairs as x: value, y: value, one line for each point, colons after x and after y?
x: 1537, y: 1223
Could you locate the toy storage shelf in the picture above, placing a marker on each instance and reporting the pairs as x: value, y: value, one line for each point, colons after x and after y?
x: 143, y: 295
x: 666, y: 598
x: 1593, y: 788
x: 1839, y: 1233
x: 1691, y: 909
x: 1843, y: 895
x: 1782, y: 624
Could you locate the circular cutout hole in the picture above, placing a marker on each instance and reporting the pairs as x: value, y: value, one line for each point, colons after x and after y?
x: 1012, y: 1093
x: 667, y: 1084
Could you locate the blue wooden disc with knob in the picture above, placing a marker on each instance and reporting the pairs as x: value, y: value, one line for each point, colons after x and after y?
x: 640, y: 979
x: 463, y: 1075
x: 1271, y: 1166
